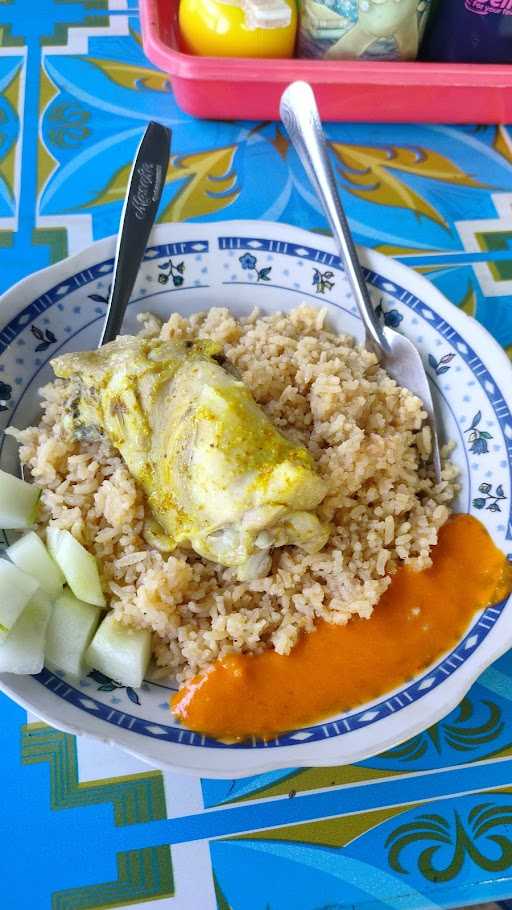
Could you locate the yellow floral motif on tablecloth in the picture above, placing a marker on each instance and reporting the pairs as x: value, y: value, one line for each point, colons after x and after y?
x: 46, y: 163
x: 128, y: 75
x: 11, y: 94
x: 210, y: 184
x: 370, y: 172
x: 502, y: 143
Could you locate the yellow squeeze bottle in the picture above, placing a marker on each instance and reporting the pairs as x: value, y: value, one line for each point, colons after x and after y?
x: 238, y: 28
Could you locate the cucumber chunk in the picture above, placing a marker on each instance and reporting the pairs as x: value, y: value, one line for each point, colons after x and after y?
x: 120, y: 652
x: 70, y: 631
x: 30, y: 554
x: 23, y: 651
x: 78, y: 565
x: 18, y: 502
x: 53, y: 536
x: 16, y: 589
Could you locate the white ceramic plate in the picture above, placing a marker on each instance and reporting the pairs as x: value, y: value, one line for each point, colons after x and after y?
x: 239, y: 265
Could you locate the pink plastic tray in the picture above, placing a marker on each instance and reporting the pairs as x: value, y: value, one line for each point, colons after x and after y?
x: 243, y: 89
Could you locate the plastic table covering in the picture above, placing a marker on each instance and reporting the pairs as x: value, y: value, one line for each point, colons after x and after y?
x: 84, y: 826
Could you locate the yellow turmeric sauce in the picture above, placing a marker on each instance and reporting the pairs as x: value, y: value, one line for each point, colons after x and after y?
x: 420, y: 617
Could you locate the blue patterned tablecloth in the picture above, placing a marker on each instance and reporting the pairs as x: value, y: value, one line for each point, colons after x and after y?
x: 83, y: 826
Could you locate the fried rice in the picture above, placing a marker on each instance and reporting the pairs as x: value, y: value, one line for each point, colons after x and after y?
x: 370, y: 443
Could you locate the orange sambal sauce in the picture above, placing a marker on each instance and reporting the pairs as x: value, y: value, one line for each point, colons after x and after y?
x: 334, y: 668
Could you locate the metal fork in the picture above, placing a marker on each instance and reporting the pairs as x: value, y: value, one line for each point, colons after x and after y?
x: 397, y: 354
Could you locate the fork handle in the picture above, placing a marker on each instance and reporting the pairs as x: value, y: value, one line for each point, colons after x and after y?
x: 300, y: 116
x: 141, y: 202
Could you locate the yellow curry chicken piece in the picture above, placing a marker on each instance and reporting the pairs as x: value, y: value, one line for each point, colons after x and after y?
x: 217, y: 474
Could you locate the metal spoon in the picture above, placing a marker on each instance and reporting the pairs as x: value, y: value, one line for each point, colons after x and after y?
x: 397, y: 354
x: 143, y: 195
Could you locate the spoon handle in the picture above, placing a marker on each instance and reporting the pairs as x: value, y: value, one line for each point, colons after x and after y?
x: 143, y: 195
x: 300, y: 116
